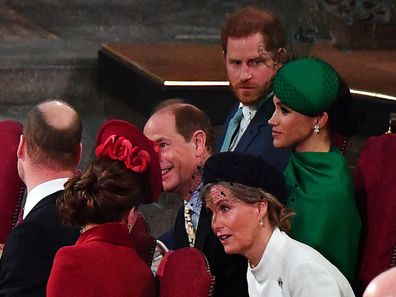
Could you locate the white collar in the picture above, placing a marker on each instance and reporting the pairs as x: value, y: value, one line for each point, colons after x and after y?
x: 41, y: 191
x: 249, y: 111
x: 270, y: 256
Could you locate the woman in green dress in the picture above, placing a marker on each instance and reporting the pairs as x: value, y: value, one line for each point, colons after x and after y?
x: 311, y: 103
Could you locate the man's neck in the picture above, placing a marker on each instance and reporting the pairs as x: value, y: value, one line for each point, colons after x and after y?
x: 38, y: 177
x: 196, y: 180
x: 259, y: 101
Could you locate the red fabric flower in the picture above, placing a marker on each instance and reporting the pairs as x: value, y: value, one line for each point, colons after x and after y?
x: 119, y: 148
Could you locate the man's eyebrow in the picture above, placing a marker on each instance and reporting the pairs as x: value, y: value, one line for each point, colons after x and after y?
x: 233, y: 59
x: 161, y: 139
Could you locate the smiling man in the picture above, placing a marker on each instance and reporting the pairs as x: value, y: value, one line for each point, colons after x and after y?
x: 184, y: 135
x: 253, y: 44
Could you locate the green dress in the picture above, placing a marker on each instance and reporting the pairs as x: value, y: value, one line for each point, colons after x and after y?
x: 321, y: 192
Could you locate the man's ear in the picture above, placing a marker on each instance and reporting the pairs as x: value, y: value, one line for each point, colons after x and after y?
x: 21, y: 147
x: 79, y: 154
x: 224, y: 57
x: 199, y: 140
x: 280, y: 58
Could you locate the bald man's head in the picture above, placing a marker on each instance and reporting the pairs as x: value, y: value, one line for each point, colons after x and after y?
x: 53, y: 134
x: 383, y: 285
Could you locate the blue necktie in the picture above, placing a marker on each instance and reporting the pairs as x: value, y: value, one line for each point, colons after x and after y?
x: 232, y: 126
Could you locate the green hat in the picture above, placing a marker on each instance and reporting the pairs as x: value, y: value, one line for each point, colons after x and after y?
x: 308, y: 86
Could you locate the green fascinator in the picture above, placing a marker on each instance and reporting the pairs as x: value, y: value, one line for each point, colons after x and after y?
x: 308, y: 86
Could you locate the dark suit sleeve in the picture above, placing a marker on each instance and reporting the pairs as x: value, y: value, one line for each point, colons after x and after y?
x: 30, y: 250
x: 24, y: 265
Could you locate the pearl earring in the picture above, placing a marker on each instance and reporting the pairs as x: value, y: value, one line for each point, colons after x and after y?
x: 261, y: 222
x: 316, y: 129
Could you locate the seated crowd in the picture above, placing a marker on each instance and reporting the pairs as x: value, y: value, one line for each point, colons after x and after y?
x: 270, y: 211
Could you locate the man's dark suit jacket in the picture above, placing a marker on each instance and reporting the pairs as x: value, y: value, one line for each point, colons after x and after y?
x: 30, y: 250
x: 257, y: 139
x: 229, y: 270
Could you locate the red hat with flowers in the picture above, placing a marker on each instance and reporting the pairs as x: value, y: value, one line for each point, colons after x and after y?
x: 120, y: 140
x: 11, y: 186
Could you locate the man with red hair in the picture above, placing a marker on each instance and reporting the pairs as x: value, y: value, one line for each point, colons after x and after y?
x: 253, y: 44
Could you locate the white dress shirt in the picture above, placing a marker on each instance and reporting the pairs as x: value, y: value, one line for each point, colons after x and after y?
x: 195, y: 204
x: 41, y: 191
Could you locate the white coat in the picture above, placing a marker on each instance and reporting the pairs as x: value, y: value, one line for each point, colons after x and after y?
x: 291, y: 268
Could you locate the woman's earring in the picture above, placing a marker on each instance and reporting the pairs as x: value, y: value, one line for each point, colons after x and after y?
x: 316, y: 129
x: 261, y: 222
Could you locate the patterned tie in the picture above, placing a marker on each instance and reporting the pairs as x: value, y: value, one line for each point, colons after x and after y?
x: 232, y: 126
x: 189, y: 224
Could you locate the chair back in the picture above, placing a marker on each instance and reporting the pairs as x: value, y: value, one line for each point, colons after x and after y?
x: 185, y: 272
x: 140, y: 227
x: 375, y: 181
x: 11, y: 186
x: 142, y: 240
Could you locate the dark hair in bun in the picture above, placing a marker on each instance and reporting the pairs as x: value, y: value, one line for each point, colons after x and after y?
x: 104, y: 193
x: 341, y: 116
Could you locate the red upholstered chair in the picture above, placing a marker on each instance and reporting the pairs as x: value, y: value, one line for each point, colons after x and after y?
x: 142, y: 240
x: 140, y: 226
x: 375, y: 180
x: 11, y: 186
x: 185, y: 272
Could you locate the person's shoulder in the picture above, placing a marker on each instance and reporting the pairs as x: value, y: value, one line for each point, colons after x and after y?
x: 45, y: 209
x: 300, y: 253
x: 309, y: 272
x: 68, y: 254
x: 19, y: 235
x: 306, y: 259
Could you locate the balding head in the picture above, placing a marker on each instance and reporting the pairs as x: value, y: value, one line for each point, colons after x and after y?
x: 384, y: 285
x: 53, y: 133
x: 51, y: 110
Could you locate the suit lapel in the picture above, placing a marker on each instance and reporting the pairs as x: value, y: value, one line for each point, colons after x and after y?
x: 258, y: 122
x: 180, y: 235
x: 204, y: 228
x: 225, y: 126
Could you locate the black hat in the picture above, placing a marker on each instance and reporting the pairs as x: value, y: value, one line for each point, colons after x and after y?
x: 247, y: 170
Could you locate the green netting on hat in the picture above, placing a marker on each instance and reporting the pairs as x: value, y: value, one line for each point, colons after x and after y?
x: 308, y: 85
